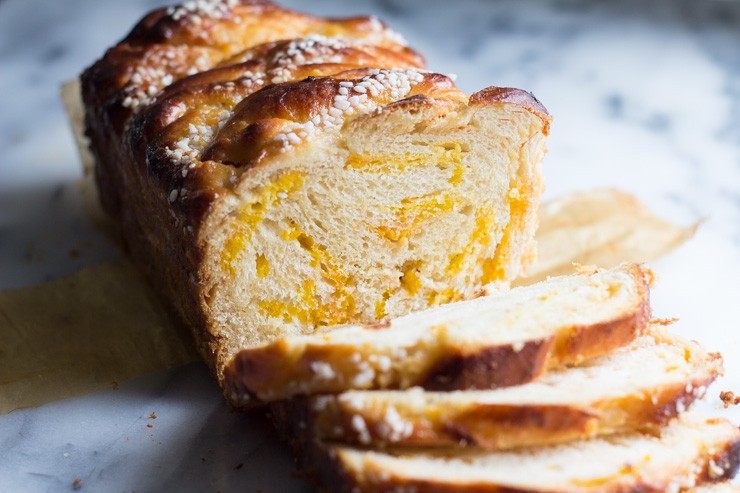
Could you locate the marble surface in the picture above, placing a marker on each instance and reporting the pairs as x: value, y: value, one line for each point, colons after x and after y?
x: 646, y: 98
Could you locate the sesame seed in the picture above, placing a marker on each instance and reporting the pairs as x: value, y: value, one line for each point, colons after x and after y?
x: 341, y: 103
x: 397, y: 83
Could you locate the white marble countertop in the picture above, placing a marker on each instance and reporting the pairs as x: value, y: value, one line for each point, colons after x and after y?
x: 646, y: 98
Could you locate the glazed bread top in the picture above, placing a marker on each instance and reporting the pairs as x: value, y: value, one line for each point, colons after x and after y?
x: 187, y: 81
x: 174, y: 42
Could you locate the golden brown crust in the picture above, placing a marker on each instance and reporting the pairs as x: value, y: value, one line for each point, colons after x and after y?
x: 177, y: 41
x: 519, y: 97
x: 492, y: 367
x: 174, y: 43
x: 252, y: 133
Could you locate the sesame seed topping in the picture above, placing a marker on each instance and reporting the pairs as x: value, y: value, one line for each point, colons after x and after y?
x: 196, y: 9
x: 395, y: 84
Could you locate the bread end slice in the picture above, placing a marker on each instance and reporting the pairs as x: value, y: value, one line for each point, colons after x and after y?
x: 494, y: 341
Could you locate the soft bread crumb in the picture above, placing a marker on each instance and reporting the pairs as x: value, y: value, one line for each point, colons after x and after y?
x: 729, y: 398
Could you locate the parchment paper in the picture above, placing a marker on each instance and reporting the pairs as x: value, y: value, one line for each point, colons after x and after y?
x: 82, y: 333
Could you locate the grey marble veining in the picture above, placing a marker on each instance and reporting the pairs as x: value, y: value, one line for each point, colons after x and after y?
x: 646, y: 98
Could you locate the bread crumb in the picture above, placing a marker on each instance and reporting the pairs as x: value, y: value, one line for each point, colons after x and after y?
x: 664, y: 321
x: 729, y: 398
x: 149, y: 425
x: 153, y: 415
x: 77, y: 484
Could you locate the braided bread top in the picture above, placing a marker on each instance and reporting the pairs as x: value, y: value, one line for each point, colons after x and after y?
x: 204, y: 92
x: 174, y: 42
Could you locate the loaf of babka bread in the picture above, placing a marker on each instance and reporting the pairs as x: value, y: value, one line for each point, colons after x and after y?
x: 275, y: 173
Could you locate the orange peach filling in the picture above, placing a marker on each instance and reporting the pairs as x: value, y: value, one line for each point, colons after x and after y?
x: 250, y: 215
x: 448, y: 155
x: 310, y: 307
x: 413, y: 213
x: 495, y: 269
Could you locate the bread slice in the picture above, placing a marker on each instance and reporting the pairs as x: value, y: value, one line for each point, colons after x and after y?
x: 499, y: 340
x: 273, y: 190
x: 689, y: 450
x: 643, y: 384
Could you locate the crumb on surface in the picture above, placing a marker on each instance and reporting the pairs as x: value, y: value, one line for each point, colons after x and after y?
x: 153, y: 415
x: 149, y: 425
x: 114, y: 385
x: 729, y: 398
x: 77, y: 484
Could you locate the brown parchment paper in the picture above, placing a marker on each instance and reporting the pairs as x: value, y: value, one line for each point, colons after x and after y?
x: 82, y: 333
x: 602, y: 228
